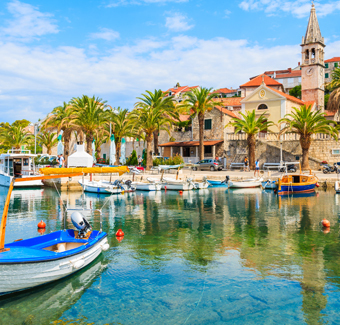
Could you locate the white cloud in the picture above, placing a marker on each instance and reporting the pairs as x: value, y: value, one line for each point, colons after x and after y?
x: 227, y: 13
x: 116, y: 3
x: 298, y: 8
x: 28, y: 22
x: 177, y: 22
x: 106, y: 34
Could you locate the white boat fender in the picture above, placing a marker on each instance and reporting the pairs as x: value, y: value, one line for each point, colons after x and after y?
x: 105, y: 247
x: 78, y: 264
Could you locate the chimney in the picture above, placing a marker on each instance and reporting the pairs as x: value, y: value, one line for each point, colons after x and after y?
x: 298, y: 63
x: 290, y: 70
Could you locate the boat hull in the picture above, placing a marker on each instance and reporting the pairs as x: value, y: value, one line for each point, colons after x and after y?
x: 26, y: 275
x: 93, y: 187
x: 179, y: 187
x: 211, y: 182
x: 251, y: 184
x: 202, y: 185
x: 290, y: 189
x: 6, y: 180
x: 147, y: 186
x: 269, y: 185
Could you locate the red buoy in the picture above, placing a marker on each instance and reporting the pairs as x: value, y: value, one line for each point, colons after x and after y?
x: 180, y: 192
x: 41, y: 225
x: 120, y: 238
x: 326, y: 223
x: 120, y: 233
x: 317, y: 185
x: 41, y: 231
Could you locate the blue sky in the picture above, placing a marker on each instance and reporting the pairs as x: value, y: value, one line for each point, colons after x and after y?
x: 51, y: 51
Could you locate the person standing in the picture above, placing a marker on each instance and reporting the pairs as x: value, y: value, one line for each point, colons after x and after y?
x: 257, y: 168
x: 61, y: 161
x: 246, y: 164
x: 140, y: 160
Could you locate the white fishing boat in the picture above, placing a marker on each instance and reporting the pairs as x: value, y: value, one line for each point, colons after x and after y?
x: 247, y: 183
x: 126, y: 186
x: 32, y: 262
x: 178, y: 185
x: 20, y: 164
x: 201, y: 185
x: 146, y: 186
x: 269, y: 185
x: 99, y: 187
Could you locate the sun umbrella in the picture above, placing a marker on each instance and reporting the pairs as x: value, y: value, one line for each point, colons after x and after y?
x: 122, y: 152
x: 94, y: 151
x: 60, y: 147
x: 112, y: 150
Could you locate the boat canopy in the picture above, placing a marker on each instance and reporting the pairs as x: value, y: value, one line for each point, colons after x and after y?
x: 86, y: 170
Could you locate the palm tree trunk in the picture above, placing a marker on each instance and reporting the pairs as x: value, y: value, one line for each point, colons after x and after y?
x: 67, y: 138
x: 149, y: 161
x: 155, y: 142
x: 98, y: 151
x: 89, y: 139
x: 49, y: 151
x: 305, y: 142
x: 251, y: 150
x: 201, y: 135
x: 118, y: 144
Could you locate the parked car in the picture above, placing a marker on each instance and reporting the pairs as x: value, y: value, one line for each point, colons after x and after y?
x: 208, y: 164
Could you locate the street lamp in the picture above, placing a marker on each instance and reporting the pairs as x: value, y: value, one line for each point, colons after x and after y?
x: 281, y: 160
x: 35, y: 137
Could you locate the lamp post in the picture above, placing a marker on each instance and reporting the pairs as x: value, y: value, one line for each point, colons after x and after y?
x: 35, y: 137
x: 281, y: 160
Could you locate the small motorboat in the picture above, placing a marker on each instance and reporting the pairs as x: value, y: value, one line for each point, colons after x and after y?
x: 32, y: 262
x: 146, y: 186
x: 269, y: 185
x: 247, y: 183
x: 178, y: 185
x: 201, y: 185
x: 301, y: 183
x: 218, y: 183
x: 101, y: 187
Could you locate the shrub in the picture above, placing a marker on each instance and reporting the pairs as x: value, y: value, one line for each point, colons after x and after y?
x: 132, y: 160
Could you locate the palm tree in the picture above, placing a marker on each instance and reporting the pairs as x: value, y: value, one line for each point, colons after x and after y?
x: 100, y: 138
x: 48, y: 139
x: 305, y: 122
x: 251, y: 125
x: 334, y: 87
x: 158, y: 100
x: 14, y: 136
x: 123, y: 127
x: 149, y: 118
x: 60, y: 118
x: 198, y: 102
x: 90, y: 115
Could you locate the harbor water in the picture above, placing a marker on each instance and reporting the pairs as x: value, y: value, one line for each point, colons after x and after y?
x: 213, y: 256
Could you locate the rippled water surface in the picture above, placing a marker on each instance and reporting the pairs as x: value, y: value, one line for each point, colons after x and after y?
x: 204, y: 257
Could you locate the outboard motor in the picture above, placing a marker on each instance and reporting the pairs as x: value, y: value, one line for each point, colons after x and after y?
x: 128, y: 183
x: 80, y: 222
x: 227, y: 178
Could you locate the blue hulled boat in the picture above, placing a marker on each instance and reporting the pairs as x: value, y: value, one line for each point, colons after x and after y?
x: 301, y: 183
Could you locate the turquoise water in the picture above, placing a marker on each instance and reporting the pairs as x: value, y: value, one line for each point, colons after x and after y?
x: 204, y: 257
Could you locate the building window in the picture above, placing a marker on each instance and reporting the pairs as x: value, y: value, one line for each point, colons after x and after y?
x: 307, y: 54
x: 207, y: 124
x: 263, y: 106
x: 336, y: 64
x: 326, y: 75
x: 326, y: 65
x: 335, y: 151
x: 208, y: 150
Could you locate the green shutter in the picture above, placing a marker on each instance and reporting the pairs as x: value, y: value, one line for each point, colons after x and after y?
x: 326, y: 65
x: 207, y: 124
x: 336, y: 64
x: 326, y: 75
x: 104, y: 156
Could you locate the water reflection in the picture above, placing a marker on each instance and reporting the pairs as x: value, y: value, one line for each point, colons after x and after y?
x: 261, y: 258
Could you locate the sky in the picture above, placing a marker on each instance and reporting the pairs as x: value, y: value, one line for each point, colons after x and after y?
x: 51, y: 51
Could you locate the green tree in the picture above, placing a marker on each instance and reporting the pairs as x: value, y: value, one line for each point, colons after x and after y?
x: 14, y: 135
x: 296, y: 91
x: 133, y: 160
x: 59, y: 119
x: 90, y: 114
x: 305, y: 122
x: 101, y: 137
x: 123, y: 127
x: 198, y: 102
x: 334, y: 88
x: 47, y: 139
x: 153, y: 112
x: 251, y: 125
x: 158, y: 100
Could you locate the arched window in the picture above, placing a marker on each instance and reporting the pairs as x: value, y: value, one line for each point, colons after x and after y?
x: 313, y: 53
x: 307, y: 54
x: 263, y: 106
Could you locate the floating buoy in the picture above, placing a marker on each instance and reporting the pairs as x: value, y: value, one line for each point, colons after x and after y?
x: 317, y: 185
x: 180, y: 192
x: 123, y: 192
x: 120, y: 233
x: 41, y: 231
x: 120, y: 238
x: 326, y: 223
x: 326, y: 230
x: 164, y: 187
x: 41, y: 225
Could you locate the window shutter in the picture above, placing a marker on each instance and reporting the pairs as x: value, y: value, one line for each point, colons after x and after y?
x: 326, y: 65
x: 326, y: 75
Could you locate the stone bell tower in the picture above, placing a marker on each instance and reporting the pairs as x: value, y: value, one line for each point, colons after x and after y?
x: 313, y: 73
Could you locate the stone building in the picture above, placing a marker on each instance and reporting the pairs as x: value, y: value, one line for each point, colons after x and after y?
x: 330, y: 65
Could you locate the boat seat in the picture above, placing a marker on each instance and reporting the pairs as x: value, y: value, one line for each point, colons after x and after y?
x: 61, y: 248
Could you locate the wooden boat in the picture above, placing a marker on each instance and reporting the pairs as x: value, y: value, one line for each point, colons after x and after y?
x: 178, y: 185
x: 146, y: 186
x: 32, y: 262
x: 99, y: 187
x: 269, y: 185
x: 300, y: 183
x: 18, y: 163
x: 247, y: 183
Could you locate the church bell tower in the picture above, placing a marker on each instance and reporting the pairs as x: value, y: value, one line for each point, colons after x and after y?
x: 313, y: 73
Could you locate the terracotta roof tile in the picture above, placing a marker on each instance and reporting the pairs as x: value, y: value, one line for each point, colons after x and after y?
x: 230, y: 101
x: 296, y: 73
x: 184, y: 117
x: 328, y: 113
x: 225, y: 91
x: 291, y: 98
x: 256, y: 82
x: 309, y: 103
x: 335, y: 59
x: 181, y: 89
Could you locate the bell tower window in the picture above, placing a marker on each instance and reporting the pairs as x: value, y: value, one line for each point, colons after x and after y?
x: 307, y: 54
